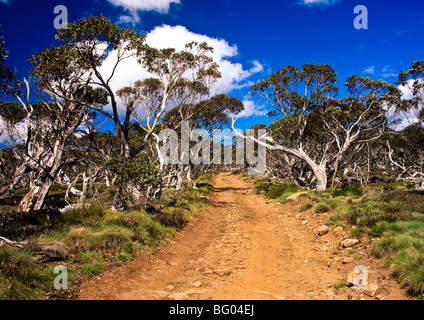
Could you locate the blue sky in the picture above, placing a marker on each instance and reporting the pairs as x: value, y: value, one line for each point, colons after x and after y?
x: 254, y: 38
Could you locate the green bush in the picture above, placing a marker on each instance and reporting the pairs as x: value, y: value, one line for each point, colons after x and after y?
x: 404, y: 200
x: 278, y: 190
x: 263, y: 185
x: 354, y: 191
x: 113, y: 238
x: 93, y: 263
x: 20, y: 225
x: 86, y: 216
x: 408, y: 265
x: 321, y: 208
x: 403, y: 244
x: 138, y: 171
x: 20, y: 278
x: 177, y: 218
x: 305, y: 206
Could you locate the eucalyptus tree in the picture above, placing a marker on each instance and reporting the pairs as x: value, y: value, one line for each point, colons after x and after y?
x: 361, y: 117
x: 95, y: 39
x: 406, y: 154
x: 316, y: 128
x: 44, y: 127
x: 9, y: 83
x: 197, y: 121
x: 412, y: 82
x: 184, y: 77
x: 296, y: 95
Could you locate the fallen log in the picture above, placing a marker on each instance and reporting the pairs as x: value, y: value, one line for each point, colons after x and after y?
x: 4, y: 241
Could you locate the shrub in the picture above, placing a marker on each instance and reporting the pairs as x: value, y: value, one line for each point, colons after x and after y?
x: 113, y: 238
x: 177, y: 218
x: 19, y: 276
x: 137, y: 171
x: 335, y: 219
x: 321, y: 208
x: 87, y: 215
x: 354, y: 191
x: 79, y: 239
x: 263, y: 185
x: 352, y: 215
x: 278, y: 190
x: 20, y: 225
x: 93, y: 263
x: 404, y: 200
x: 409, y: 267
x: 305, y: 206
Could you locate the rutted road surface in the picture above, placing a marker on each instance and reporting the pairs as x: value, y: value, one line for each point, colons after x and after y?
x: 245, y: 247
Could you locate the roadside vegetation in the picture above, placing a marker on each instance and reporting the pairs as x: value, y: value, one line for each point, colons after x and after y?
x: 86, y: 240
x: 391, y: 214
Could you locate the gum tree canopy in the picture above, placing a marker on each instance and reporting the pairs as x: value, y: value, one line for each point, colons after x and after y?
x: 296, y: 96
x: 313, y: 126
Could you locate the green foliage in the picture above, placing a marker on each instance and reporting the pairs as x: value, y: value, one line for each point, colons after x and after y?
x: 177, y: 218
x: 9, y: 82
x: 401, y: 200
x: 137, y: 171
x: 305, y: 206
x: 321, y: 208
x: 396, y: 217
x: 113, y: 238
x: 85, y: 216
x: 277, y: 190
x: 93, y: 263
x: 263, y: 185
x: 99, y: 29
x: 354, y: 191
x: 20, y: 277
x: 20, y: 225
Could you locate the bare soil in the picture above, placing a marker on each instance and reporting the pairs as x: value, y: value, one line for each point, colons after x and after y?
x: 244, y: 246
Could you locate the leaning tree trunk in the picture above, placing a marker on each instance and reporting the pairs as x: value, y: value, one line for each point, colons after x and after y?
x: 318, y: 169
x: 45, y: 175
x: 321, y: 175
x: 36, y: 196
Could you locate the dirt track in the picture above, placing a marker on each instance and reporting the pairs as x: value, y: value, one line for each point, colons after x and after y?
x: 245, y: 247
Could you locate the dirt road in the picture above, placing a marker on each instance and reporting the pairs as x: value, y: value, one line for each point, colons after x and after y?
x: 246, y: 247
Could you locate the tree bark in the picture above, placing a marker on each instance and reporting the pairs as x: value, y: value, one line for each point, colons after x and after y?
x: 319, y: 170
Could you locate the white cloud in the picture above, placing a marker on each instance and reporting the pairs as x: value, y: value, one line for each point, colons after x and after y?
x: 388, y: 72
x: 385, y: 72
x: 257, y: 67
x: 133, y: 7
x: 318, y: 2
x: 251, y: 109
x: 161, y: 6
x: 411, y: 116
x: 234, y: 74
x: 369, y: 70
x: 407, y: 89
